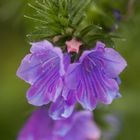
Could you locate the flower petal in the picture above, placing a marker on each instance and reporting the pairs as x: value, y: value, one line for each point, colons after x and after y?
x: 72, y: 75
x: 43, y: 69
x: 114, y: 63
x: 67, y: 60
x: 44, y: 91
x: 42, y: 46
x: 34, y: 64
x: 83, y: 127
x: 62, y: 108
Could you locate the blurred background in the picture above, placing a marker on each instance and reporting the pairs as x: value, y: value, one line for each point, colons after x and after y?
x: 14, y: 45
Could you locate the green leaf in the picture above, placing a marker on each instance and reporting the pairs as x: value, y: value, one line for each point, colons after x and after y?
x: 78, y: 10
x: 88, y: 29
x: 82, y: 19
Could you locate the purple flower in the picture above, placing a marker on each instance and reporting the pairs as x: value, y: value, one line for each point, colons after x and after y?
x: 44, y: 69
x: 53, y: 79
x: 93, y: 77
x: 40, y: 126
x: 117, y: 14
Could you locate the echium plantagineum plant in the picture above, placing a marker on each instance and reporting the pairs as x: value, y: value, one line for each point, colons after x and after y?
x: 71, y: 62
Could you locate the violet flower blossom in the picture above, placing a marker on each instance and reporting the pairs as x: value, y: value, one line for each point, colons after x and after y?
x: 44, y: 70
x: 117, y: 15
x: 53, y: 79
x: 93, y: 76
x: 79, y: 126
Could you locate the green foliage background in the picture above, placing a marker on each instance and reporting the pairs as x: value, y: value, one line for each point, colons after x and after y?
x: 14, y: 109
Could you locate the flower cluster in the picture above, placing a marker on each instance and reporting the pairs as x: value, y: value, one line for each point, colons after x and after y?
x: 89, y: 80
x: 85, y: 74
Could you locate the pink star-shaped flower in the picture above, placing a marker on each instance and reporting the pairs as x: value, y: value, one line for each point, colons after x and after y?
x: 73, y: 45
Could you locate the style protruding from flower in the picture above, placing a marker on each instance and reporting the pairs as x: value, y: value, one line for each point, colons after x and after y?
x: 80, y: 126
x: 53, y: 78
x: 73, y: 45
